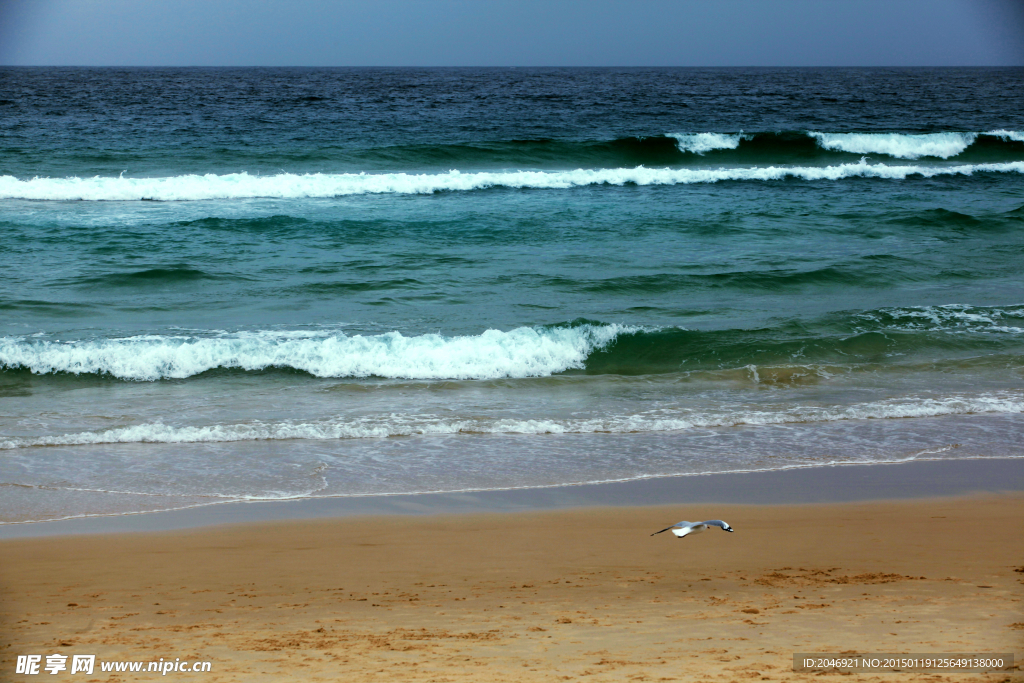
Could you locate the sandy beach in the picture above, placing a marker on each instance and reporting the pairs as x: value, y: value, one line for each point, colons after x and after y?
x: 577, y: 594
x: 375, y: 342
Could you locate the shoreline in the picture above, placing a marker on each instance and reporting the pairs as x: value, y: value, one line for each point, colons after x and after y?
x: 816, y: 484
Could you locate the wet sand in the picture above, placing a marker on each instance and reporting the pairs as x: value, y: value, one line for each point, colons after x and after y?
x: 836, y: 484
x: 570, y: 594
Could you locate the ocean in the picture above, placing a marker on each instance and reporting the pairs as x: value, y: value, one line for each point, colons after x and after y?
x: 223, y: 285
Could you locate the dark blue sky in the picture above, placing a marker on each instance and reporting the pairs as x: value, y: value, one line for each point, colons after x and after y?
x: 512, y: 32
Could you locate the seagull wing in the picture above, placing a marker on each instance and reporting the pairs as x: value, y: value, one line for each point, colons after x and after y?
x: 718, y: 523
x: 671, y: 527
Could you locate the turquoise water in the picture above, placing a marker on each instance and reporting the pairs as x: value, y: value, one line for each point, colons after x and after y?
x: 223, y: 285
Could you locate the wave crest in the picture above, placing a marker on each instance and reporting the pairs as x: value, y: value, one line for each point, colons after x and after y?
x: 522, y: 352
x: 310, y: 185
x: 700, y: 143
x: 1007, y: 135
x: 901, y: 145
x: 592, y: 347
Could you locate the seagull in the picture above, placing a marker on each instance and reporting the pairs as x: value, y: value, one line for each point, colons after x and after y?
x: 687, y: 528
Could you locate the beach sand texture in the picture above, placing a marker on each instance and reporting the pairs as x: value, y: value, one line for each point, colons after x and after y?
x: 583, y: 594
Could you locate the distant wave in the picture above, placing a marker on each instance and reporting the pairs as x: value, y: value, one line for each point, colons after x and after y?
x: 398, y: 425
x: 694, y: 149
x: 523, y: 352
x: 900, y: 145
x: 290, y: 185
x: 700, y: 143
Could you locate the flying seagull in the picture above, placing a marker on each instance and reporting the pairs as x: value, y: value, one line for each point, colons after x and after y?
x: 687, y: 528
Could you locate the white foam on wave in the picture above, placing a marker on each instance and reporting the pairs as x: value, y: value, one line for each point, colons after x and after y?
x: 522, y: 352
x: 701, y: 143
x: 295, y: 186
x: 900, y: 145
x: 411, y: 425
x: 954, y: 318
x: 1008, y: 135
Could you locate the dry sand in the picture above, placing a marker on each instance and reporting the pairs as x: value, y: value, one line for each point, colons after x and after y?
x: 584, y: 594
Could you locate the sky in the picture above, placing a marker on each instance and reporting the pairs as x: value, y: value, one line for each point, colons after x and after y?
x: 512, y: 32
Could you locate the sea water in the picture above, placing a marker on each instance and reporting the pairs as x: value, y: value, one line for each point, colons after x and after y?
x: 221, y: 285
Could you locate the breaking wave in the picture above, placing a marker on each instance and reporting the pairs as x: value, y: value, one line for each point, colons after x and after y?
x: 900, y: 145
x: 1008, y: 135
x: 700, y: 143
x: 290, y: 185
x: 774, y: 146
x: 581, y: 345
x: 522, y: 352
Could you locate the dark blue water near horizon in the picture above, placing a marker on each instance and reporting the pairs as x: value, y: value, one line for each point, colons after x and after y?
x: 165, y: 121
x: 237, y: 284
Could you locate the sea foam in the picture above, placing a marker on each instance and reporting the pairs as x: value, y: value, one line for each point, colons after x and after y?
x: 290, y: 185
x: 953, y: 318
x: 410, y: 425
x: 521, y: 352
x: 901, y: 145
x: 1008, y: 135
x: 700, y: 143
